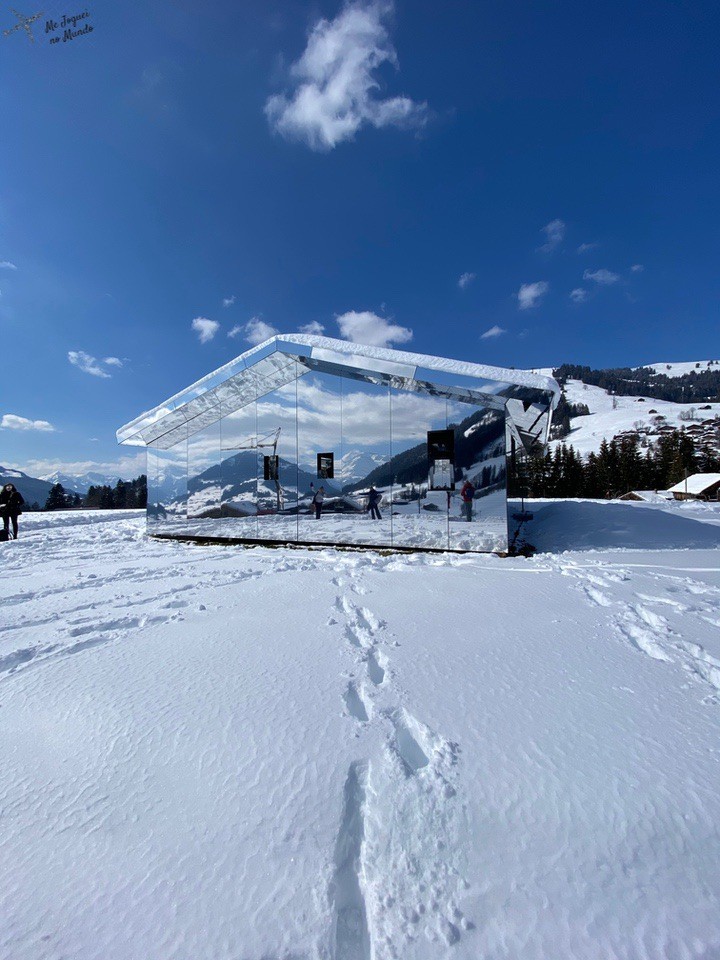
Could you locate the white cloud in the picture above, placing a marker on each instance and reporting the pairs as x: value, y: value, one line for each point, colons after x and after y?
x: 12, y: 422
x: 364, y: 418
x: 127, y: 467
x: 554, y: 233
x: 256, y: 331
x: 229, y: 301
x: 334, y: 92
x: 495, y: 331
x: 205, y: 329
x: 83, y: 361
x: 314, y: 328
x: 578, y: 295
x: 587, y: 247
x: 363, y: 326
x: 113, y: 361
x: 529, y: 294
x: 6, y: 265
x: 236, y: 330
x: 603, y: 277
x: 465, y: 280
x: 637, y: 268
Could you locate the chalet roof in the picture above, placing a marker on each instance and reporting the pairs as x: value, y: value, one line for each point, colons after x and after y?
x: 697, y: 484
x: 650, y: 496
x: 526, y: 397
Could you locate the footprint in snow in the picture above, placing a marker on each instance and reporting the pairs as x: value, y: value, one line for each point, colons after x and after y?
x: 355, y: 702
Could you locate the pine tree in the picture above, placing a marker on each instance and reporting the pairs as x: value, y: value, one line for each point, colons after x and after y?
x: 57, y: 498
x: 120, y: 495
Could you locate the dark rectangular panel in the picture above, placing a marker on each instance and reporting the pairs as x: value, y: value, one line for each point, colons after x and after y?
x: 441, y: 445
x: 326, y: 466
x: 271, y: 468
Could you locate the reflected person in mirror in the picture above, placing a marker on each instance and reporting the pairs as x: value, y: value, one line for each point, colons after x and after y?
x: 467, y: 495
x: 374, y: 499
x: 318, y: 501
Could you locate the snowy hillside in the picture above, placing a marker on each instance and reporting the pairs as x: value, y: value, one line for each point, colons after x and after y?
x: 223, y: 753
x: 613, y: 415
x: 681, y: 369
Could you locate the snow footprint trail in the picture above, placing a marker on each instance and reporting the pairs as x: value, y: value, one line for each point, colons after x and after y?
x: 362, y: 631
x: 350, y: 936
x: 649, y: 631
x: 398, y: 876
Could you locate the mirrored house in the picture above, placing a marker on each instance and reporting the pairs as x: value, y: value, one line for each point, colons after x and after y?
x: 310, y: 440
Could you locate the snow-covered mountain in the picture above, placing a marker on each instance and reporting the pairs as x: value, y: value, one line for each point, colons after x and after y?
x: 611, y: 416
x: 81, y: 482
x: 234, y: 486
x: 357, y: 464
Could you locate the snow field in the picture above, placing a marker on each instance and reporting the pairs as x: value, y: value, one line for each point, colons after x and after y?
x: 246, y: 754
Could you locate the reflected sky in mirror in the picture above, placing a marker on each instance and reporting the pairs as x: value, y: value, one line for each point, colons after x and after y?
x: 212, y: 483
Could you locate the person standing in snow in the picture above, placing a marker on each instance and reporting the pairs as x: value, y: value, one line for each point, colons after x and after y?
x: 318, y: 501
x: 374, y: 499
x: 467, y: 494
x: 11, y: 504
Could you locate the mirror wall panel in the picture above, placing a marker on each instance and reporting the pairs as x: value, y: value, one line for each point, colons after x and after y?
x: 277, y: 465
x: 255, y: 473
x: 153, y: 492
x: 320, y: 504
x: 420, y: 487
x: 204, y: 487
x: 170, y: 486
x: 238, y: 469
x: 478, y: 510
x: 364, y: 470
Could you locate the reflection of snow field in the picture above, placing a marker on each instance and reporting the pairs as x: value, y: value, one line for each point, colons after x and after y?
x: 403, y: 525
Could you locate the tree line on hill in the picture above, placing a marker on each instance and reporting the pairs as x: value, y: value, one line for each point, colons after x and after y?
x: 618, y: 467
x: 125, y: 495
x: 563, y: 414
x: 694, y: 387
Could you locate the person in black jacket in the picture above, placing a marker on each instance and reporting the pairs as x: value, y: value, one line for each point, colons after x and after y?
x: 11, y: 504
x: 374, y: 499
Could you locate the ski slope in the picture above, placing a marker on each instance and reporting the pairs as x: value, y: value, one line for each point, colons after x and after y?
x: 240, y: 754
x: 682, y: 368
x: 612, y: 415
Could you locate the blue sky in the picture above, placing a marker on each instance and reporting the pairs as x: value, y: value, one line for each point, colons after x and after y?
x: 266, y: 166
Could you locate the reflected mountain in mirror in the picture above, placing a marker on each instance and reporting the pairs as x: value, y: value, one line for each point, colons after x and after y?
x: 311, y: 440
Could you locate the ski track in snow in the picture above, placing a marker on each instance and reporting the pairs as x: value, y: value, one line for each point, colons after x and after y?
x: 652, y: 623
x: 396, y: 878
